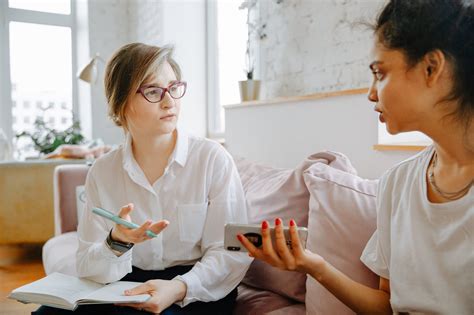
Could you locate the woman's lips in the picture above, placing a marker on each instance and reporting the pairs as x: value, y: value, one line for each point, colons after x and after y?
x: 168, y: 117
x: 382, y: 120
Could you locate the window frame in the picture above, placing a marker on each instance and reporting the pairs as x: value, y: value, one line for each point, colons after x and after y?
x: 8, y: 15
x: 214, y: 123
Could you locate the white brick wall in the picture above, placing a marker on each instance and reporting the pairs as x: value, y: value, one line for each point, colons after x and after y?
x: 145, y: 21
x: 312, y: 45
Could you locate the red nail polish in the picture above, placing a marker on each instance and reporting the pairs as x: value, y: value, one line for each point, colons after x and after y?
x: 264, y: 225
x: 277, y: 221
x: 239, y: 237
x: 292, y: 222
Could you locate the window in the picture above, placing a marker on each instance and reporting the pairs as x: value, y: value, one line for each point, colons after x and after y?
x: 40, y: 61
x: 227, y: 40
x: 51, y: 6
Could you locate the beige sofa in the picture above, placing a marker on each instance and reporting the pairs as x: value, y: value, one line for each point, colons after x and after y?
x: 59, y: 251
x: 323, y: 193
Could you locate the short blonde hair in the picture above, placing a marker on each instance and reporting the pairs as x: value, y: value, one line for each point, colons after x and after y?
x: 128, y: 69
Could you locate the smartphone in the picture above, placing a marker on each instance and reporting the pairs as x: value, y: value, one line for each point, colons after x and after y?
x: 253, y: 234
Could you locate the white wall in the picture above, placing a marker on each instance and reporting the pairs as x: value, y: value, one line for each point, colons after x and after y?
x: 184, y: 26
x: 283, y: 134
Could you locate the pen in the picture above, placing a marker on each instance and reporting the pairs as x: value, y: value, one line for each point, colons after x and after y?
x: 109, y: 215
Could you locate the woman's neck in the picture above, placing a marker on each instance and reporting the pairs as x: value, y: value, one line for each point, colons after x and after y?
x: 145, y: 147
x: 453, y: 144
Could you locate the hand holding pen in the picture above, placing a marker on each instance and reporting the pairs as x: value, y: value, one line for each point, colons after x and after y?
x: 128, y: 232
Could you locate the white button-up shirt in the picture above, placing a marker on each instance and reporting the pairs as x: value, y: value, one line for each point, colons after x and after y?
x: 199, y: 192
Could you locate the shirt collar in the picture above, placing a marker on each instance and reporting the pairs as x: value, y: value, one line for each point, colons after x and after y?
x: 180, y: 152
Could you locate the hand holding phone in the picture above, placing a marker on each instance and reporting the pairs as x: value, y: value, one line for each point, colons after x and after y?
x: 275, y: 248
x: 254, y: 235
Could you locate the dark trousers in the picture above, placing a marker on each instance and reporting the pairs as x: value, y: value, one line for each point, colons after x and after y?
x: 221, y: 307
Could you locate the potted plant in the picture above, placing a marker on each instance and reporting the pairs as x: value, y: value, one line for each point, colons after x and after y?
x: 250, y: 88
x: 46, y: 139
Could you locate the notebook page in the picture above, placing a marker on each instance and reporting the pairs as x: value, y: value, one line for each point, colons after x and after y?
x: 66, y: 287
x: 113, y: 293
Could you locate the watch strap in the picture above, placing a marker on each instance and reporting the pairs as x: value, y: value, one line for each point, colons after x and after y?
x: 118, y: 246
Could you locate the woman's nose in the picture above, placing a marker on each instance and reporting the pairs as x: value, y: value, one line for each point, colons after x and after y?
x: 167, y: 101
x: 372, y: 94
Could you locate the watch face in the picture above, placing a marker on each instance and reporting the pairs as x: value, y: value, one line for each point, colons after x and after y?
x: 121, y: 247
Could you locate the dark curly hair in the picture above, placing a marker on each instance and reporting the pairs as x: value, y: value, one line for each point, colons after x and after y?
x: 417, y: 27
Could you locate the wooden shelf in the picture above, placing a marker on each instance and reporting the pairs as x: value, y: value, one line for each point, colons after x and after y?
x: 293, y: 99
x: 399, y: 147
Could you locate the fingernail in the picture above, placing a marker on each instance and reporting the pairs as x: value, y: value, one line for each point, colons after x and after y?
x: 292, y: 222
x: 127, y: 292
x: 239, y: 237
x: 277, y: 221
x: 264, y: 225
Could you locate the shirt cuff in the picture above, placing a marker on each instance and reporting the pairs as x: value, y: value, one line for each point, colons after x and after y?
x: 108, y: 254
x: 193, y: 284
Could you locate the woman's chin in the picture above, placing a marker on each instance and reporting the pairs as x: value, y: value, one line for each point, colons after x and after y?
x: 391, y: 129
x: 167, y: 128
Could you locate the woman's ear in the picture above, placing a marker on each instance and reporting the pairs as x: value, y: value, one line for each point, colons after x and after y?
x: 434, y: 64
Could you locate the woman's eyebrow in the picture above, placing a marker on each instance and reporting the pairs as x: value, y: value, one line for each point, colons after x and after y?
x: 155, y: 84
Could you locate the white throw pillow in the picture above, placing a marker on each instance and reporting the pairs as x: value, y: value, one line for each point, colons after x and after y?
x: 80, y: 201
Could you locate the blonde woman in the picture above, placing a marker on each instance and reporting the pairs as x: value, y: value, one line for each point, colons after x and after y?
x: 182, y: 187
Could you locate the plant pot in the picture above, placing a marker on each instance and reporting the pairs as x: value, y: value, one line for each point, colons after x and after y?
x: 249, y: 90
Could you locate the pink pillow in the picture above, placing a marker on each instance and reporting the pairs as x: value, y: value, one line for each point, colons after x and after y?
x: 342, y: 218
x: 256, y: 301
x: 281, y: 193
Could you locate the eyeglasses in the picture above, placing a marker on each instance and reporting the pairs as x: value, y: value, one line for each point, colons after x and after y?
x: 155, y: 94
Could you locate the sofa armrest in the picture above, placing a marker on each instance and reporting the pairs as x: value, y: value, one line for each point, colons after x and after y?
x: 66, y: 179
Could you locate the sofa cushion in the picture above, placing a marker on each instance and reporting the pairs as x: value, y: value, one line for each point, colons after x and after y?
x: 281, y: 193
x: 253, y: 301
x: 342, y: 218
x: 59, y: 254
x: 295, y: 309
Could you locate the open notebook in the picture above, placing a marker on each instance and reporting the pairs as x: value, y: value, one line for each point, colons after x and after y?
x: 67, y: 292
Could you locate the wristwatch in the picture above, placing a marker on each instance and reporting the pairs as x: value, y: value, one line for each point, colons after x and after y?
x: 117, y: 246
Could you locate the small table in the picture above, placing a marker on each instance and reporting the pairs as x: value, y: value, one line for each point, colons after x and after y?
x: 27, y: 201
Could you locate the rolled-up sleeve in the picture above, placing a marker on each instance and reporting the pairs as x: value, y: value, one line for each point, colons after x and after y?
x: 219, y: 271
x: 95, y: 260
x: 376, y: 254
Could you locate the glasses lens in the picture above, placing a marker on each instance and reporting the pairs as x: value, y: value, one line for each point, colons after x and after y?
x: 177, y: 90
x: 153, y: 94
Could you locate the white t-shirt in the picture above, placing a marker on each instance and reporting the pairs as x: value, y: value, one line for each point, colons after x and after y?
x: 425, y: 249
x: 199, y: 192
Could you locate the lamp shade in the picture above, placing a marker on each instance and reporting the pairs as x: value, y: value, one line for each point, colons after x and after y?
x: 89, y: 72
